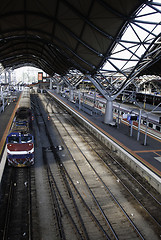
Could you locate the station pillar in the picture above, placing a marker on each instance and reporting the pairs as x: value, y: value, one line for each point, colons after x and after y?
x: 9, y: 76
x: 51, y: 84
x: 108, y: 119
x: 5, y: 76
x: 71, y: 94
x: 79, y: 98
x: 57, y: 89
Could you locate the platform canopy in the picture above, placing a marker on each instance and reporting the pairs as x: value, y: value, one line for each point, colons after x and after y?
x: 59, y: 35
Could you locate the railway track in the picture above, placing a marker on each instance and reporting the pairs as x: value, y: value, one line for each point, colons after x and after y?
x: 129, y: 179
x: 85, y: 190
x: 16, y: 213
x: 116, y: 209
x: 71, y: 212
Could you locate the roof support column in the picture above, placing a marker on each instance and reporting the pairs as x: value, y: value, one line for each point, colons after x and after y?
x: 57, y: 89
x: 79, y: 98
x: 9, y: 76
x: 108, y: 119
x: 71, y: 94
x: 5, y: 76
x: 51, y: 83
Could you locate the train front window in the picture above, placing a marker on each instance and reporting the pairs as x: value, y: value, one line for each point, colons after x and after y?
x: 13, y: 139
x: 26, y: 139
x: 21, y: 123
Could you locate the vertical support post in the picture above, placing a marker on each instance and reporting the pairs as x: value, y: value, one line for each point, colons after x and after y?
x: 57, y: 89
x: 79, y: 98
x: 50, y: 84
x: 145, y: 138
x: 71, y: 94
x: 118, y: 117
x: 108, y: 119
x: 83, y: 98
x: 5, y: 76
x: 94, y: 100
x: 131, y: 128
x: 9, y: 76
x: 144, y: 102
x: 138, y: 135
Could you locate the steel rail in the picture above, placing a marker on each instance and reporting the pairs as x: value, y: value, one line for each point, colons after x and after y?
x: 127, y: 187
x: 64, y: 169
x: 96, y: 202
x: 93, y: 216
x: 134, y: 179
x: 53, y: 194
x: 11, y: 206
x: 54, y: 198
x: 50, y: 175
x: 8, y: 210
x: 30, y: 237
x: 115, y: 200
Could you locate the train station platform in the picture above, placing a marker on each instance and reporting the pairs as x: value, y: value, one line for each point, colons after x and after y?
x: 6, y: 119
x: 149, y: 156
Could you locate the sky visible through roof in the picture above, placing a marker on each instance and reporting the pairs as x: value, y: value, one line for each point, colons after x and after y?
x: 136, y: 39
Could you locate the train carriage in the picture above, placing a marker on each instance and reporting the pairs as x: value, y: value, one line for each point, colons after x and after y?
x: 20, y: 141
x: 153, y: 120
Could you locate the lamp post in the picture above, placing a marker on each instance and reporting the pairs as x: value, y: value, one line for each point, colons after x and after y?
x: 138, y: 134
x: 146, y: 130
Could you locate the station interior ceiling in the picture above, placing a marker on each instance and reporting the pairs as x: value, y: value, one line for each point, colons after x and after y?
x: 63, y: 35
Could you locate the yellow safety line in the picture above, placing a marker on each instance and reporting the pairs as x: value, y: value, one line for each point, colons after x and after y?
x: 155, y: 150
x: 157, y: 154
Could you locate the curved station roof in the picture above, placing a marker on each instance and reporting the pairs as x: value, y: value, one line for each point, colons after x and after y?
x: 60, y: 35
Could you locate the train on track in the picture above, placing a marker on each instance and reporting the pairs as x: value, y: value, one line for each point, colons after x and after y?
x: 153, y: 99
x: 153, y: 121
x: 148, y: 98
x: 20, y: 140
